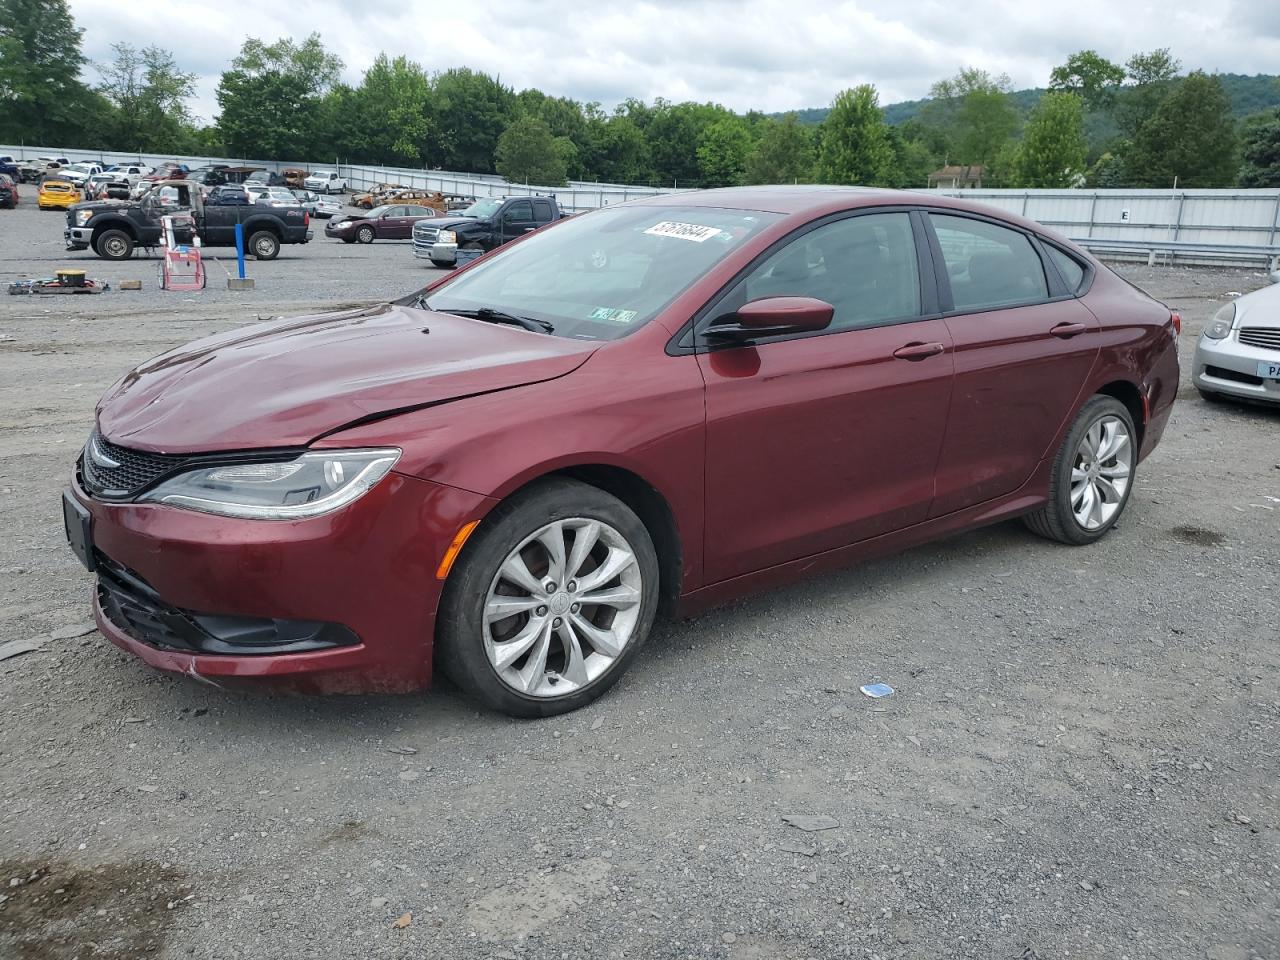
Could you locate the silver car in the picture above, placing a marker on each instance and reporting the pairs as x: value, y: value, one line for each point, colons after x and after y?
x: 1238, y: 354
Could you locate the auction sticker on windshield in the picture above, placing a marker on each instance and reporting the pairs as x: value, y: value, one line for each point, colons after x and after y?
x: 696, y: 232
x: 616, y: 315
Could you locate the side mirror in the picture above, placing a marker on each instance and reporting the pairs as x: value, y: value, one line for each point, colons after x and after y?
x: 771, y: 317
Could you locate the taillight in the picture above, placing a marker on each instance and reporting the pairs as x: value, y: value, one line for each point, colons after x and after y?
x: 1177, y: 323
x: 306, y: 222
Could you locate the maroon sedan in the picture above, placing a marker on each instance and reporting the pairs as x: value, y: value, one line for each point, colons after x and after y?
x: 393, y: 221
x: 654, y: 407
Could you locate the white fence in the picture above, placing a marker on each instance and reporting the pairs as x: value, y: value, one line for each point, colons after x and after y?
x: 1240, y: 217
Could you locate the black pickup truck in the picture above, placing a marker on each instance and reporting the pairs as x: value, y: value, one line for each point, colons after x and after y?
x: 113, y: 228
x: 484, y: 225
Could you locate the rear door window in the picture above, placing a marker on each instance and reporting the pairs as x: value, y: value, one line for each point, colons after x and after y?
x: 989, y: 266
x: 542, y: 211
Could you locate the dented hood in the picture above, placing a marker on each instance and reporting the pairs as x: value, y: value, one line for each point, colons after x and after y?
x: 285, y: 384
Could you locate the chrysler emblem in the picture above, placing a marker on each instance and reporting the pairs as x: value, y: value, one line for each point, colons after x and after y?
x: 99, y: 458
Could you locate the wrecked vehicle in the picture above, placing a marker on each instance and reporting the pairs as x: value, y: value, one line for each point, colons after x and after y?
x: 113, y: 229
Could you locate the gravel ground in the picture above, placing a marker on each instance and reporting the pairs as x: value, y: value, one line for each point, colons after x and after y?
x: 1080, y: 759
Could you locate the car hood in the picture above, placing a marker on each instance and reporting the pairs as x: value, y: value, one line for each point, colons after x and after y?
x: 286, y: 384
x: 447, y: 223
x: 1260, y: 308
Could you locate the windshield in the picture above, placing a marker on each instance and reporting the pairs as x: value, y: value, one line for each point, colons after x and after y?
x: 604, y: 274
x: 320, y: 175
x: 481, y: 209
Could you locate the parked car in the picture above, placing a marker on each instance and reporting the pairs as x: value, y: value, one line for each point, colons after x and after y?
x: 484, y: 225
x: 392, y: 222
x: 318, y: 205
x: 57, y: 195
x: 238, y: 174
x: 78, y: 173
x: 108, y: 185
x: 112, y: 230
x: 31, y: 171
x: 268, y: 178
x: 229, y: 194
x: 1238, y: 354
x: 8, y: 192
x: 133, y: 172
x: 661, y: 404
x: 325, y: 181
x: 273, y: 196
x: 167, y: 172
x: 208, y: 176
x: 9, y: 168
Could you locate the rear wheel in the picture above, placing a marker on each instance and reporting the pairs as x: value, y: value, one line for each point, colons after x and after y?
x: 114, y: 245
x: 1092, y: 475
x: 264, y: 245
x: 365, y: 234
x: 550, y: 601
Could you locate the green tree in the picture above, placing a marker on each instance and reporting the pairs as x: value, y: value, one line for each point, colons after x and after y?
x: 722, y: 152
x: 674, y: 133
x: 784, y: 153
x: 974, y: 113
x: 1090, y: 75
x: 272, y: 97
x: 1052, y: 152
x: 150, y: 97
x: 469, y: 112
x: 1191, y: 138
x: 385, y: 118
x: 913, y: 158
x: 1151, y: 78
x: 1260, y: 150
x: 855, y: 144
x: 528, y: 153
x: 42, y: 99
x: 616, y: 150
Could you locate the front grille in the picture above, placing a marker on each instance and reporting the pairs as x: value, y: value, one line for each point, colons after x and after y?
x: 131, y: 604
x: 425, y: 235
x: 1266, y: 337
x: 137, y: 469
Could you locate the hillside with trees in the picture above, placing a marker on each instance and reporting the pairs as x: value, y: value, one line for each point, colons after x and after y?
x: 1146, y: 122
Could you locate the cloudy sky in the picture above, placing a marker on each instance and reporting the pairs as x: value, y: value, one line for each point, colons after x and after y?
x: 767, y: 54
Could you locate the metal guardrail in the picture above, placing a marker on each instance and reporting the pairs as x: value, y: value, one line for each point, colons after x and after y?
x: 1186, y: 248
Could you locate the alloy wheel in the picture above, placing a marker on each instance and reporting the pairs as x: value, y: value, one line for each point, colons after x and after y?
x: 562, y: 607
x: 1101, y: 472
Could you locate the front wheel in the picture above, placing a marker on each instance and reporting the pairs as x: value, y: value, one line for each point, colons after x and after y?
x: 264, y: 245
x: 365, y: 234
x: 1092, y: 475
x: 550, y: 601
x: 114, y: 245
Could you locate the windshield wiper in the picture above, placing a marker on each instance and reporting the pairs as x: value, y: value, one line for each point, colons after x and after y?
x: 489, y: 315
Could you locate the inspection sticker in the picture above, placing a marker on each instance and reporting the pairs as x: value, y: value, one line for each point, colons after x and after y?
x: 696, y: 232
x: 613, y: 314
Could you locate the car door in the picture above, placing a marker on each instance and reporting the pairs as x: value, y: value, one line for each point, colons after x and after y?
x: 400, y: 224
x: 517, y: 220
x: 1024, y: 346
x: 816, y: 441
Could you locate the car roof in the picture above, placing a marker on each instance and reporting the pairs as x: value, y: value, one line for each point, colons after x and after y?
x: 805, y: 201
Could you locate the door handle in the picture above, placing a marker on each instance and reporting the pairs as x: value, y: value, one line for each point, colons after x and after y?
x: 919, y: 351
x: 1065, y: 331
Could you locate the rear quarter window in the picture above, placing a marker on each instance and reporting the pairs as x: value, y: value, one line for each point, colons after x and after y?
x: 1073, y: 272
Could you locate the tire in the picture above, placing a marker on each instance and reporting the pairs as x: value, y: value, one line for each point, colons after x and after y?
x: 348, y: 239
x: 442, y: 264
x: 1210, y: 397
x: 264, y: 245
x: 365, y: 234
x: 114, y: 245
x: 467, y: 645
x: 1061, y: 518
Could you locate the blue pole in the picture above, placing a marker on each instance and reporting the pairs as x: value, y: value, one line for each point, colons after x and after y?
x: 240, y: 248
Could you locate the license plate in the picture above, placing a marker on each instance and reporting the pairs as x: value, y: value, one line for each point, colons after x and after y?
x: 1269, y: 369
x: 79, y: 527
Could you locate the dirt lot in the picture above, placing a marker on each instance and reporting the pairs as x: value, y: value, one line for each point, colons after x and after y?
x: 1080, y: 760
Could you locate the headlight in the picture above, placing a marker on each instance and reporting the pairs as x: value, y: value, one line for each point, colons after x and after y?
x: 1221, y: 323
x: 446, y: 236
x: 82, y: 217
x: 307, y: 486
